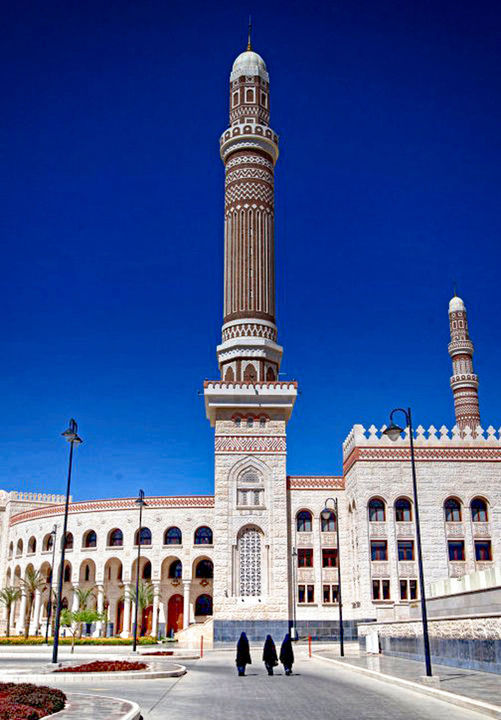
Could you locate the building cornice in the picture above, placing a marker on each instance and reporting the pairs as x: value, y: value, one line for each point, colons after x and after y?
x: 172, y: 501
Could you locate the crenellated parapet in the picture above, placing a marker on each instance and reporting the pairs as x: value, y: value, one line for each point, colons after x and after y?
x: 431, y: 445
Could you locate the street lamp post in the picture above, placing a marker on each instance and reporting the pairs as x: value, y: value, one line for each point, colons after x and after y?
x: 140, y: 501
x: 326, y: 513
x: 71, y: 435
x: 393, y: 431
x: 294, y: 592
x: 49, y: 604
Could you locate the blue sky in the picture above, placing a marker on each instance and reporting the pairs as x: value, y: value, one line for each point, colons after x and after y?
x: 387, y: 191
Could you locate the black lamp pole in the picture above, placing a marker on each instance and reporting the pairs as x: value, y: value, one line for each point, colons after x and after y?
x: 49, y: 604
x: 326, y: 514
x: 394, y: 432
x: 140, y: 501
x: 294, y: 592
x: 72, y: 437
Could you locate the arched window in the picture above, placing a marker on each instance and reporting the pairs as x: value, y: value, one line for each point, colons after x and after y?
x: 145, y: 536
x: 32, y: 545
x: 69, y: 541
x: 203, y: 536
x: 64, y: 603
x: 203, y: 605
x: 270, y: 375
x: 403, y: 510
x: 304, y: 521
x: 67, y: 573
x: 250, y: 374
x: 377, y: 510
x: 250, y: 422
x: 452, y: 508
x: 173, y: 536
x: 90, y: 539
x: 11, y: 550
x: 229, y: 376
x: 204, y: 569
x: 238, y: 421
x: 250, y: 489
x: 87, y: 573
x: 115, y: 538
x: 479, y: 510
x: 19, y: 550
x: 176, y: 569
x: 328, y: 524
x: 147, y: 571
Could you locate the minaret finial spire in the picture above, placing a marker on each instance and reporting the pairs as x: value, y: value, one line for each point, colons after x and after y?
x: 249, y: 43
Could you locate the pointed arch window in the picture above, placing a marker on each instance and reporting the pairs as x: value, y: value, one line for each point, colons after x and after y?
x: 250, y: 489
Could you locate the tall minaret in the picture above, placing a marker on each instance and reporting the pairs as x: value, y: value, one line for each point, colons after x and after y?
x: 464, y: 382
x: 249, y: 408
x: 249, y: 151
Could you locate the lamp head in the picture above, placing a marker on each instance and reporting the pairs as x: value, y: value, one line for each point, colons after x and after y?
x: 326, y: 513
x: 140, y: 499
x: 393, y: 431
x: 70, y: 434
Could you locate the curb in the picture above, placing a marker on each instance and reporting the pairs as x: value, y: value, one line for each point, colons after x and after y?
x: 84, y: 677
x: 461, y: 701
x: 68, y: 713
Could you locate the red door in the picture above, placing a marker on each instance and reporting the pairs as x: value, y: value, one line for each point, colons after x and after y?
x: 147, y: 618
x: 120, y: 617
x: 175, y: 613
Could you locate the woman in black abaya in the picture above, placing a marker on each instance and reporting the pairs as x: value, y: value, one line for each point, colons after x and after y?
x: 287, y: 655
x: 270, y: 658
x: 243, y: 654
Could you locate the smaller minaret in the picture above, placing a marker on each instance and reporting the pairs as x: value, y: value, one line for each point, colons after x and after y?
x: 464, y: 382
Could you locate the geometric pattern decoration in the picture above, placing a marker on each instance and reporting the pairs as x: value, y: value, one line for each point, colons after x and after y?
x: 250, y: 443
x: 249, y: 546
x: 192, y: 501
x: 429, y: 454
x: 300, y: 482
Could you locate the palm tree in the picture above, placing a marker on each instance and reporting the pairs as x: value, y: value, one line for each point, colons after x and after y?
x: 144, y: 598
x: 84, y: 595
x: 33, y: 581
x: 8, y: 597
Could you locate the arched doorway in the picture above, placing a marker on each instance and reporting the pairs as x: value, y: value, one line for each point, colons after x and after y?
x: 175, y: 613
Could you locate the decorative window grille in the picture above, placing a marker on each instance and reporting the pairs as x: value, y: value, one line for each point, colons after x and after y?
x: 250, y: 492
x: 250, y: 562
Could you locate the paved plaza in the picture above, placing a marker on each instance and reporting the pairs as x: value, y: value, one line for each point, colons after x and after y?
x: 316, y: 691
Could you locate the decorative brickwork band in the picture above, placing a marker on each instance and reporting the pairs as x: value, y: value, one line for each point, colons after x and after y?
x: 301, y: 482
x: 250, y: 444
x: 175, y: 501
x: 428, y: 454
x: 464, y: 382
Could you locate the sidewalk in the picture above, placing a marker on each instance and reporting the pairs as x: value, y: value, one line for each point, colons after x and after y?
x: 471, y: 684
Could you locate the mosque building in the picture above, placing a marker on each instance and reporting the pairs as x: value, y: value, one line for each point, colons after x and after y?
x: 257, y: 555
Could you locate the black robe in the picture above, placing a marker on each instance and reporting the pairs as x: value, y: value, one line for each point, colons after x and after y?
x: 243, y: 653
x: 286, y: 652
x: 270, y: 652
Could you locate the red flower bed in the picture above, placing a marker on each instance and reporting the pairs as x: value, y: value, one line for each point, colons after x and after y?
x: 160, y: 652
x: 23, y: 701
x: 104, y: 666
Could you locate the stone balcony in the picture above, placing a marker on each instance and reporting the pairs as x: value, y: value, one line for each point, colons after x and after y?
x: 305, y: 575
x: 380, y: 569
x: 407, y: 569
x: 457, y: 568
x: 377, y: 529
x: 454, y: 529
x: 405, y: 529
x: 304, y: 539
x: 328, y: 539
x: 330, y: 575
x: 481, y: 530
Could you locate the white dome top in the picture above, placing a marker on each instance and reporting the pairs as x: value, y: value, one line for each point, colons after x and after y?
x: 249, y: 63
x: 456, y: 305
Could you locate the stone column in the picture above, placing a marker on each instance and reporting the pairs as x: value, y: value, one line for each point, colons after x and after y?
x: 186, y: 603
x: 74, y: 601
x: 126, y: 618
x: 100, y: 608
x: 156, y: 598
x: 36, y: 613
x: 22, y: 614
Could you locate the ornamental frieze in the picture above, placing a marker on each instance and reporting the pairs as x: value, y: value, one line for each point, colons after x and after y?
x: 250, y: 443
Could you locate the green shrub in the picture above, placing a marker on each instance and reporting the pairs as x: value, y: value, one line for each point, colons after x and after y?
x: 39, y: 640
